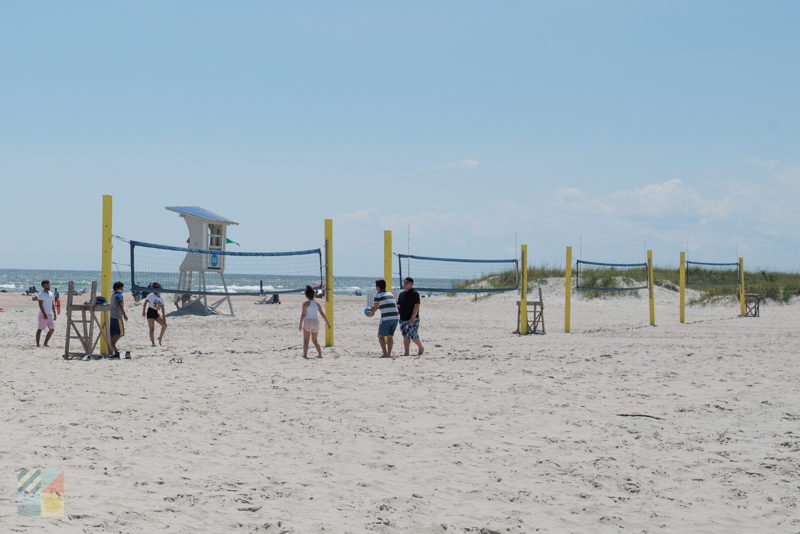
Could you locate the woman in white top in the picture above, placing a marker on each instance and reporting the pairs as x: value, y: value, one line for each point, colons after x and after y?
x: 152, y: 304
x: 309, y: 322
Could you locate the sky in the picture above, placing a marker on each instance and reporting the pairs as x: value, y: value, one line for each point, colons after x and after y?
x: 467, y: 128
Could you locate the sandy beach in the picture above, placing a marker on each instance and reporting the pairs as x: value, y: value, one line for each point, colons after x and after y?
x: 488, y: 432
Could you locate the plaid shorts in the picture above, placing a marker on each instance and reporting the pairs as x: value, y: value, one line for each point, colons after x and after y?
x: 410, y: 331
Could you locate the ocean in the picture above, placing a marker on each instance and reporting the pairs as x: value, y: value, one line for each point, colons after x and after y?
x: 19, y: 280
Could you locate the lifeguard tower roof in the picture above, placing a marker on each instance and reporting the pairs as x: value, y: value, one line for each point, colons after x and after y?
x: 200, y: 213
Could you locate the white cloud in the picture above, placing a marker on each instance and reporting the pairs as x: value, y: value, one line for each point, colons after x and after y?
x: 789, y: 177
x: 662, y: 200
x: 765, y: 163
x: 756, y: 217
x: 362, y: 215
x: 465, y: 164
x: 669, y: 198
x: 576, y: 200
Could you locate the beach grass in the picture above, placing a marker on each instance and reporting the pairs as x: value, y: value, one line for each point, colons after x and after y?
x: 770, y: 285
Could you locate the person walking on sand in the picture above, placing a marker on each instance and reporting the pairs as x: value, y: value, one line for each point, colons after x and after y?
x: 117, y: 327
x: 408, y: 304
x: 152, y: 304
x: 47, y: 313
x: 309, y: 321
x: 384, y: 301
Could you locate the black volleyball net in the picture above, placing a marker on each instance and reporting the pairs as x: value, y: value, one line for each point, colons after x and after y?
x: 706, y: 274
x: 598, y: 276
x: 215, y: 272
x: 459, y: 275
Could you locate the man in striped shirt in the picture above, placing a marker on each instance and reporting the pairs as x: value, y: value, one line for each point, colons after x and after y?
x: 390, y: 316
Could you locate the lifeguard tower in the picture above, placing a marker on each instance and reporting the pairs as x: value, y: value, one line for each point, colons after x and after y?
x: 207, y: 231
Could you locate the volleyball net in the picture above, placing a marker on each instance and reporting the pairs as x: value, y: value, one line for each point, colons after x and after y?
x: 459, y: 275
x: 597, y: 276
x: 192, y: 271
x: 705, y: 274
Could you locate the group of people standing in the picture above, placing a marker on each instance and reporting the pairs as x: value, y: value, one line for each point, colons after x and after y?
x: 403, y: 312
x: 153, y: 309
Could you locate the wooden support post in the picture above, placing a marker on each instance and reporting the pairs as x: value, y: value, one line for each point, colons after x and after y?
x: 329, y: 281
x: 105, y: 270
x: 387, y: 259
x: 523, y: 291
x: 651, y: 288
x: 568, y: 291
x: 741, y: 287
x: 682, y: 286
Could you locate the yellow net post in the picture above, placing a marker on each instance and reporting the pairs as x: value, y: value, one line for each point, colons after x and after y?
x: 329, y: 280
x: 651, y: 288
x: 387, y: 258
x: 523, y: 292
x: 568, y: 290
x: 682, y: 285
x: 741, y: 287
x: 105, y: 269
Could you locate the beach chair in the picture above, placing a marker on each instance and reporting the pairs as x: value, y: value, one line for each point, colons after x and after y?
x: 535, y: 315
x: 752, y: 304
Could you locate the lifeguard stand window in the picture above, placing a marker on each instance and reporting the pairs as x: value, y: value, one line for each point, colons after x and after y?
x: 216, y: 237
x: 216, y: 241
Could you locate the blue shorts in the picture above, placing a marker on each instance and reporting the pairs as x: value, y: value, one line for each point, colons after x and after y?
x: 116, y: 328
x: 410, y: 331
x: 387, y: 328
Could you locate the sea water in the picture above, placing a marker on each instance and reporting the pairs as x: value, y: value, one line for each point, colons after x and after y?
x: 19, y: 280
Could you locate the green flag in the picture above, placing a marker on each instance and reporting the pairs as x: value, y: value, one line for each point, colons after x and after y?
x: 229, y: 240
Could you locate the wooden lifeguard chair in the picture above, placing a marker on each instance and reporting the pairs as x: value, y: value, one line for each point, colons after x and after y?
x: 207, y: 231
x: 81, y: 322
x: 535, y: 315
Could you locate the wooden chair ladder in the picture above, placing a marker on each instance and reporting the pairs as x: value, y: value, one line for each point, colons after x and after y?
x: 535, y: 315
x: 81, y: 322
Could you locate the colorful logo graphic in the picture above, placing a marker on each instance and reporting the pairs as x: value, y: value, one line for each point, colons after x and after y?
x: 40, y: 492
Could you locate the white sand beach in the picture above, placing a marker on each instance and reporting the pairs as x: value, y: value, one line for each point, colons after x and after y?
x: 487, y: 432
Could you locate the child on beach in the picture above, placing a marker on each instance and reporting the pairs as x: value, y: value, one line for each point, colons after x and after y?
x: 309, y: 322
x: 152, y: 304
x: 117, y: 327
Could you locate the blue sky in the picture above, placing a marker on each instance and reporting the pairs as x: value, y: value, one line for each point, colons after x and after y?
x: 609, y: 126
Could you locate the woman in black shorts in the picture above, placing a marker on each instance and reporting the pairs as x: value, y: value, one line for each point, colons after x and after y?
x: 152, y: 304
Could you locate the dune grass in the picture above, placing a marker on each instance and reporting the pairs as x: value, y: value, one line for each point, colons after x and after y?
x: 770, y: 285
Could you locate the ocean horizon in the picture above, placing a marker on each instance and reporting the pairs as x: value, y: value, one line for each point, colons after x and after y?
x: 20, y: 280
